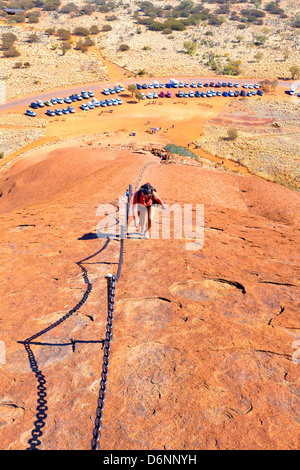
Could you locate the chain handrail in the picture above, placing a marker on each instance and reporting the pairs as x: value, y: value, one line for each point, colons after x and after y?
x: 111, y: 289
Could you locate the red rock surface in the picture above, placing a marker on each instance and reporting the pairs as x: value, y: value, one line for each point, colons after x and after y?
x: 203, y: 340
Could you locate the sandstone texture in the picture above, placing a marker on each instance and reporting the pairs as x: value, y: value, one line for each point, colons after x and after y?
x: 204, y: 351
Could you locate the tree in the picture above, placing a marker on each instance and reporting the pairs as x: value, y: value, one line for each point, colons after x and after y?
x: 132, y: 88
x: 295, y: 71
x: 65, y: 46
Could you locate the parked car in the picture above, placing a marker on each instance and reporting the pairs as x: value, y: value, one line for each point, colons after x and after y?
x: 230, y: 93
x: 48, y: 103
x: 114, y: 102
x: 149, y: 95
x: 65, y: 111
x: 219, y: 93
x: 199, y: 85
x: 197, y: 93
x: 212, y: 84
x: 185, y: 95
x: 206, y: 85
x: 243, y: 93
x: 90, y: 93
x: 90, y: 105
x: 119, y: 101
x: 292, y: 90
x: 105, y: 91
x: 249, y: 93
x: 155, y: 84
x: 68, y: 100
x: 150, y: 86
x: 108, y: 102
x: 59, y: 100
x: 250, y: 86
x: 224, y: 84
x: 40, y: 103
x: 30, y: 113
x: 225, y: 93
x: 162, y: 94
x: 154, y: 94
x: 186, y: 85
x: 180, y: 84
x: 144, y: 86
x: 209, y: 94
x: 34, y: 105
x: 50, y: 112
x: 237, y: 85
x: 203, y: 95
x: 245, y: 85
x: 256, y: 85
x: 218, y: 84
x: 84, y: 107
x: 72, y: 98
x: 71, y: 109
x: 193, y: 85
x: 53, y: 101
x: 161, y: 85
x: 180, y: 94
x: 95, y: 102
x: 192, y: 94
x: 103, y: 103
x: 169, y: 94
x: 139, y: 86
x: 230, y: 85
x: 78, y: 97
x: 259, y: 92
x: 58, y: 112
x: 236, y: 93
x: 121, y: 86
x: 117, y: 89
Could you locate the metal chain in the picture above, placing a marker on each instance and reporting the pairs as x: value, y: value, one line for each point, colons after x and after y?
x: 111, y: 287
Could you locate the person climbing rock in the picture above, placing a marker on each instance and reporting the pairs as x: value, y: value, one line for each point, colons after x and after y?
x: 144, y: 202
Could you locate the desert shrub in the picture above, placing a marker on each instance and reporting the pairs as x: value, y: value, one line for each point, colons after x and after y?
x: 295, y: 23
x: 8, y: 40
x: 64, y: 34
x: 69, y: 8
x: 11, y: 52
x: 50, y: 31
x: 106, y: 27
x: 32, y: 38
x: 181, y: 151
x: 51, y: 5
x: 80, y: 31
x: 94, y: 29
x: 232, y: 134
x: 124, y: 47
x: 273, y: 8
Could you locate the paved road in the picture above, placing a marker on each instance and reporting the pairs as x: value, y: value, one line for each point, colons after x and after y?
x: 24, y: 102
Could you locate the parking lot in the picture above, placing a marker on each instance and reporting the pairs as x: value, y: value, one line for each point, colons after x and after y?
x: 110, y: 96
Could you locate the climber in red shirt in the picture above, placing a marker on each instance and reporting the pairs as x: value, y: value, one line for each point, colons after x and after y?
x: 144, y: 202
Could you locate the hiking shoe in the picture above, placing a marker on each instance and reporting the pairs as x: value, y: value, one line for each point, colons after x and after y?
x: 146, y: 234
